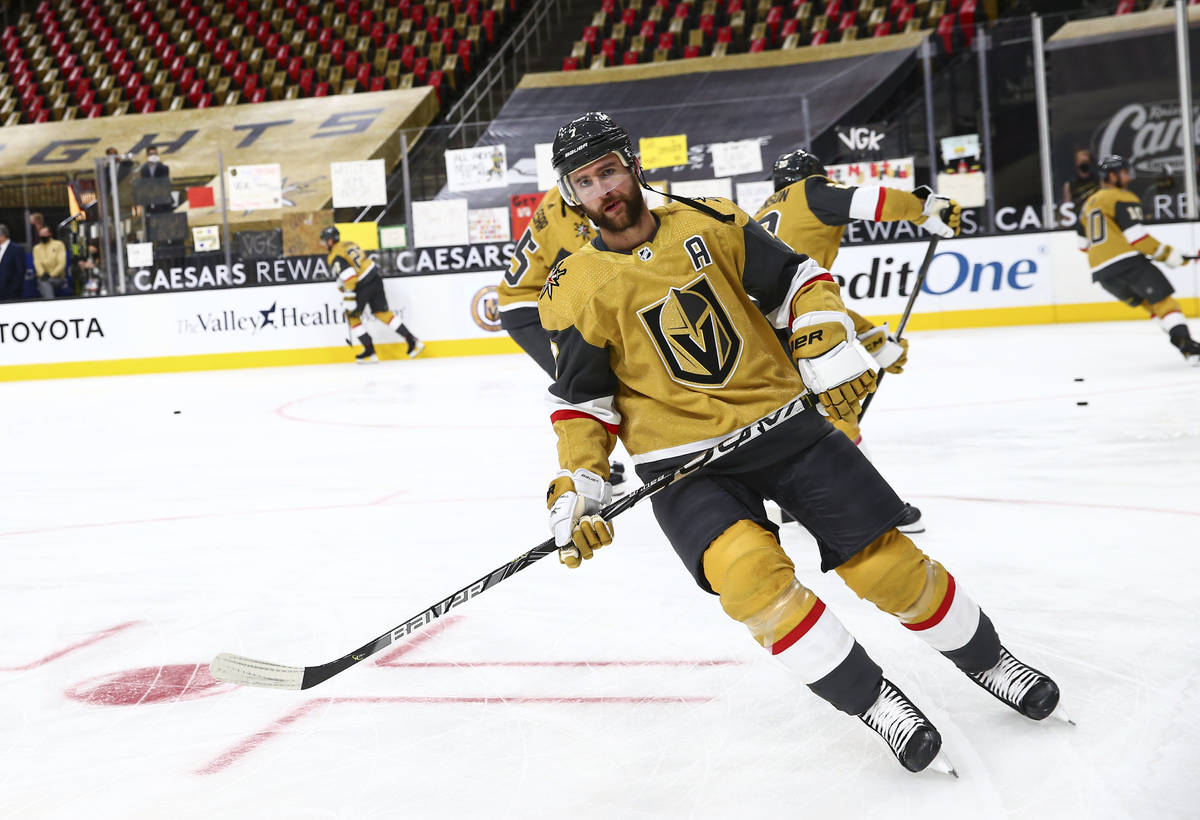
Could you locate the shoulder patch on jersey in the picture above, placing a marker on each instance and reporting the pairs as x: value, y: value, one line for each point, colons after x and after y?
x: 539, y: 219
x: 583, y: 229
x: 553, y: 280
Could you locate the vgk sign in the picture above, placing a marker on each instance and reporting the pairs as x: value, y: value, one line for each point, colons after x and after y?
x: 694, y: 335
x: 863, y: 141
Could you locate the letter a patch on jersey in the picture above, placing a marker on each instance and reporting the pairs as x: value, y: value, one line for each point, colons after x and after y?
x: 693, y: 335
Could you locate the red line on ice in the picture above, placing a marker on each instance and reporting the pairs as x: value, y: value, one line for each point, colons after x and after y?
x: 99, y: 636
x: 248, y: 745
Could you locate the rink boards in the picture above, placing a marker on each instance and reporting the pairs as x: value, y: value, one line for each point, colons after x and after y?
x: 973, y: 282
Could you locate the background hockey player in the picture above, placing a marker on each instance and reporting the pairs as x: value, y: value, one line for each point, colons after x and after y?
x: 362, y: 287
x: 658, y: 341
x: 554, y: 232
x: 1119, y: 250
x: 810, y: 212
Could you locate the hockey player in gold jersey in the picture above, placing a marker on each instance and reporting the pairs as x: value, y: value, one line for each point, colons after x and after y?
x: 554, y: 232
x: 664, y: 329
x: 810, y: 212
x: 1120, y: 250
x: 362, y: 287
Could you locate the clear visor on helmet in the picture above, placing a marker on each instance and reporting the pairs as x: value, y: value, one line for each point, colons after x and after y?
x: 595, y: 179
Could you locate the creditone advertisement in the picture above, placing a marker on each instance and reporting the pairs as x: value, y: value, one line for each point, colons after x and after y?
x: 991, y: 280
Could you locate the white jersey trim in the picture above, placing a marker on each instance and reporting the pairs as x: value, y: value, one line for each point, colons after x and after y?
x: 958, y: 625
x: 1136, y: 232
x: 865, y: 202
x: 806, y: 271
x: 515, y: 305
x: 600, y: 409
x: 696, y: 446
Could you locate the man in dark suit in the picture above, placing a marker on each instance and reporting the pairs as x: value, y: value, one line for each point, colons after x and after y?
x: 12, y: 267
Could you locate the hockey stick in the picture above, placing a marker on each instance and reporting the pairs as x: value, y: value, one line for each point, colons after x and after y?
x: 912, y: 298
x: 250, y: 672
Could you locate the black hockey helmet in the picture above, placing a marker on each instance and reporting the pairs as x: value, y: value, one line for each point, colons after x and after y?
x: 1112, y: 164
x: 584, y: 140
x: 330, y: 232
x: 795, y: 166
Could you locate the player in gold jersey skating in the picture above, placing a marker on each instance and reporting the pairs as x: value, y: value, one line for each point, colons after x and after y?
x: 810, y: 212
x: 664, y: 333
x: 362, y: 287
x: 1120, y: 250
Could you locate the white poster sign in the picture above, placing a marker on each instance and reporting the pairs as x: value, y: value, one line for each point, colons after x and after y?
x: 965, y: 189
x: 206, y: 238
x: 440, y: 222
x: 751, y: 195
x: 488, y: 225
x: 891, y: 173
x: 393, y: 236
x: 704, y: 187
x: 469, y: 169
x: 357, y: 184
x: 545, y: 171
x: 965, y: 146
x: 140, y: 254
x: 731, y: 159
x: 255, y: 187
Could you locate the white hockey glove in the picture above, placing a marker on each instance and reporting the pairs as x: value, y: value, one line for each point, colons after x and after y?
x: 573, y: 500
x: 889, y: 354
x: 832, y: 362
x: 1171, y: 257
x: 942, y: 216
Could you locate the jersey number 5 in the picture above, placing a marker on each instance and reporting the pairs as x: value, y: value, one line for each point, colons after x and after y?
x: 520, y: 260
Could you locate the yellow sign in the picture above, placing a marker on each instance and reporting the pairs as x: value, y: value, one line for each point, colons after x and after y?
x: 363, y: 234
x: 663, y: 152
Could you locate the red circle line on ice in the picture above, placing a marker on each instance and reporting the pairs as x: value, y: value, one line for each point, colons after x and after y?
x: 149, y: 684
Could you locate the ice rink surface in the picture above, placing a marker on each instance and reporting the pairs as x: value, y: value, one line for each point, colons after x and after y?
x: 292, y: 514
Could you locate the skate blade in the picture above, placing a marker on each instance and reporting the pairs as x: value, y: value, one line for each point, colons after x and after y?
x: 942, y: 764
x: 372, y: 360
x: 1059, y: 714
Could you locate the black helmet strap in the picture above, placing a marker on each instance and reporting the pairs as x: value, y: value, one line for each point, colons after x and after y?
x: 691, y: 203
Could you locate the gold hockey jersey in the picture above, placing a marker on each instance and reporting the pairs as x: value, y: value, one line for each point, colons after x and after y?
x: 553, y: 234
x: 811, y: 215
x: 664, y: 345
x: 349, y: 264
x: 1110, y: 229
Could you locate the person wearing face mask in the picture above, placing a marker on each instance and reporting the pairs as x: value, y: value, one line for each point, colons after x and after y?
x: 1085, y: 182
x: 49, y: 263
x: 155, y: 167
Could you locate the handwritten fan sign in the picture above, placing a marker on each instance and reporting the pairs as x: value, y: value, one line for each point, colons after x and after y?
x: 359, y: 183
x: 663, y: 152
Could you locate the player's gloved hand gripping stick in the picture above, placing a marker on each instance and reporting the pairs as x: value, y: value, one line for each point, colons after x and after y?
x: 250, y: 672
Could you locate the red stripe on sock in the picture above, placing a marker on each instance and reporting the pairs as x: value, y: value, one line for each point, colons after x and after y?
x: 937, y: 617
x: 879, y: 204
x: 800, y: 630
x: 563, y: 415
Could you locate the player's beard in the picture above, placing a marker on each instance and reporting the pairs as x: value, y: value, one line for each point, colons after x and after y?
x: 624, y: 218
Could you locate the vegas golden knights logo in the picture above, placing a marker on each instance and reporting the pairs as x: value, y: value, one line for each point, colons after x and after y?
x: 694, y: 335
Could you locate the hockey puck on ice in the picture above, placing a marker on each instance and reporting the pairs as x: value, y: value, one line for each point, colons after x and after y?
x: 176, y: 412
x: 1079, y: 380
x: 1081, y: 403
